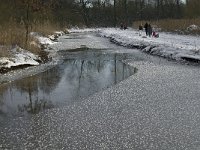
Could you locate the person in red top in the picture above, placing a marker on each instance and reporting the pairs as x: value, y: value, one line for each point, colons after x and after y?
x: 156, y: 35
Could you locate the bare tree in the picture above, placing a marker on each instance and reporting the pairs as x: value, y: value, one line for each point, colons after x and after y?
x: 115, y: 14
x: 85, y: 11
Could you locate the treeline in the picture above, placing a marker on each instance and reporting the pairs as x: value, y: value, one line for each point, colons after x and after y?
x: 112, y: 12
x: 94, y: 12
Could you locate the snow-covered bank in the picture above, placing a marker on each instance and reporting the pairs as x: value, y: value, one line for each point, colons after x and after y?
x: 172, y: 46
x: 29, y: 63
x: 50, y: 39
x: 19, y: 57
x: 77, y: 30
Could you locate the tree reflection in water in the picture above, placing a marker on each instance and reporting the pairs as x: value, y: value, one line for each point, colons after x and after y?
x: 80, y: 75
x: 50, y: 79
x: 95, y: 73
x: 35, y: 106
x: 46, y: 82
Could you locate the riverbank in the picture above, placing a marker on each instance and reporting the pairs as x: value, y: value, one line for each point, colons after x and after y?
x: 16, y: 54
x: 18, y: 62
x: 168, y: 45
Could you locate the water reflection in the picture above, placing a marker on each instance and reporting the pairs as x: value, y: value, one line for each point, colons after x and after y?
x: 80, y: 75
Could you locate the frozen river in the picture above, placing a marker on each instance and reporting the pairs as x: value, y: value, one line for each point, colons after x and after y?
x: 136, y: 102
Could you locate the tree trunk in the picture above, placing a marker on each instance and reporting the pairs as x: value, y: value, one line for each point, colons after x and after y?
x: 27, y: 22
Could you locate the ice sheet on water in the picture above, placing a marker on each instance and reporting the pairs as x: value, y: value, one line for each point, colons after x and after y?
x: 78, y: 40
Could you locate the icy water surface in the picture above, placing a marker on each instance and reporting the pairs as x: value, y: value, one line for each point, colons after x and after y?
x: 158, y: 108
x: 82, y: 73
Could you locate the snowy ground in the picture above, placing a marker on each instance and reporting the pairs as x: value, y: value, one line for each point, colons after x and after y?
x: 19, y: 57
x: 172, y: 46
x: 168, y: 45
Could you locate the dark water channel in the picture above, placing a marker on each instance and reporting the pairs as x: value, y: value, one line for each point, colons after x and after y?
x: 81, y: 73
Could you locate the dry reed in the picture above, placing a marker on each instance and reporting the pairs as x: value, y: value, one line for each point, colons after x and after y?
x: 14, y: 33
x: 4, y: 51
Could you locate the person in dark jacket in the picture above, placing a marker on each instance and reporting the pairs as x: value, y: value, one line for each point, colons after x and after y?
x: 149, y: 30
x: 145, y: 27
x: 125, y: 26
x: 121, y: 26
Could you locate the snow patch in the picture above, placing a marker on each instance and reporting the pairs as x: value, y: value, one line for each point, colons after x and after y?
x: 78, y: 30
x: 19, y: 57
x: 45, y: 40
x: 193, y: 27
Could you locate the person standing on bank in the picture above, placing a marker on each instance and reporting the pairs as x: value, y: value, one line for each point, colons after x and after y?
x: 121, y: 26
x: 145, y: 27
x: 125, y: 26
x: 149, y: 30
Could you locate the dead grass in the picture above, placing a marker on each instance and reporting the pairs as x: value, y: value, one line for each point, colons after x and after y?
x: 46, y: 28
x: 12, y: 35
x: 15, y: 34
x: 173, y: 25
x: 4, y: 51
